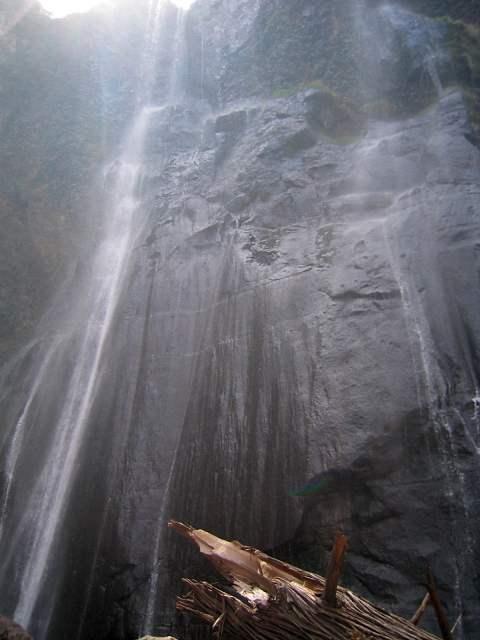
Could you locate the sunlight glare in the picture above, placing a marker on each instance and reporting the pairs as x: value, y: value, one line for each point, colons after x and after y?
x: 183, y: 4
x: 62, y: 8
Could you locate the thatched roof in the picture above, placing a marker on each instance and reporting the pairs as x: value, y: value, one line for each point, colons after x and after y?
x: 272, y: 600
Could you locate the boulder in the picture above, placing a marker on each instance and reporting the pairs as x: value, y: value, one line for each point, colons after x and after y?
x: 12, y: 631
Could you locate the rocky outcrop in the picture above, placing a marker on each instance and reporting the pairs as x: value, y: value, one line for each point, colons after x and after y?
x: 296, y: 345
x: 11, y: 631
x: 314, y: 267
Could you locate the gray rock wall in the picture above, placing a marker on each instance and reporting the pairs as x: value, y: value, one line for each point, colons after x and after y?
x: 320, y: 331
x: 299, y: 317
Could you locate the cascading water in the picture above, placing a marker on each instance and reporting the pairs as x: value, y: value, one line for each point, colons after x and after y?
x: 369, y: 163
x: 52, y: 488
x: 266, y: 303
x: 175, y: 94
x: 176, y: 79
x: 155, y: 568
x: 16, y: 442
x: 424, y: 36
x: 86, y: 332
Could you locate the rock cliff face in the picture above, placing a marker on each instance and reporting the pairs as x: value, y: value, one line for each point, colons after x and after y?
x: 295, y: 348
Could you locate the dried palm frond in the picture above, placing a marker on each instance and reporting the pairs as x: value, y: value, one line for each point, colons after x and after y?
x: 277, y: 601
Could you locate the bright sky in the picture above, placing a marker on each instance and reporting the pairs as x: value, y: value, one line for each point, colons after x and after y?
x: 183, y: 4
x: 61, y: 8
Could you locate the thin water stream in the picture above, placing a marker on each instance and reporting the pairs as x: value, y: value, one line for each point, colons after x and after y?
x: 92, y: 318
x: 53, y: 487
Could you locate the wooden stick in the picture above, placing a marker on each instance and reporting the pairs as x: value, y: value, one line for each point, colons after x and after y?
x: 335, y: 569
x: 437, y: 605
x: 421, y: 610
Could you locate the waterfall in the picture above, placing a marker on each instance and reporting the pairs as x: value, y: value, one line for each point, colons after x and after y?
x: 202, y: 64
x: 369, y: 160
x: 53, y: 486
x: 155, y: 568
x: 175, y: 86
x: 16, y: 441
x: 87, y: 330
x: 277, y: 289
x: 174, y: 95
x: 424, y: 37
x: 432, y: 390
x: 432, y: 69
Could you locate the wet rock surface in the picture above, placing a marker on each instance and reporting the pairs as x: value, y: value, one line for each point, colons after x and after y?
x: 295, y: 349
x: 314, y: 348
x: 11, y: 631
